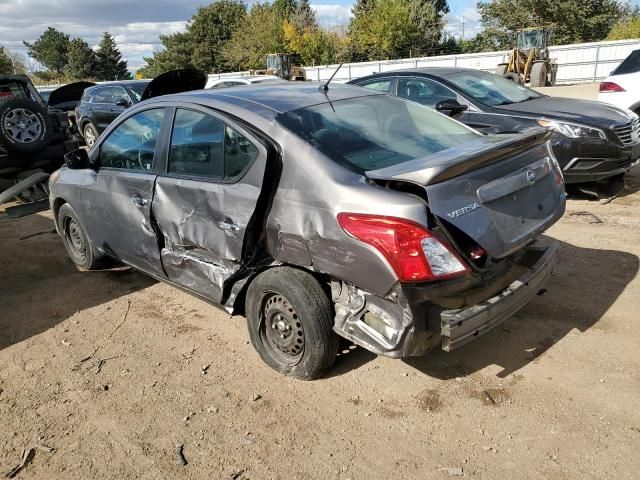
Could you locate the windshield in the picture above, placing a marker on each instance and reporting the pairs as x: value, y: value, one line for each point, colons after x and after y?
x: 530, y: 39
x: 137, y: 88
x: 273, y: 62
x: 368, y: 133
x: 491, y: 89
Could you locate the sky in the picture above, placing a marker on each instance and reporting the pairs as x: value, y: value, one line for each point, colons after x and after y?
x: 137, y: 25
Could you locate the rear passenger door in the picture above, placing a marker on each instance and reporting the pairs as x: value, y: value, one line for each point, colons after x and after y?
x: 205, y: 201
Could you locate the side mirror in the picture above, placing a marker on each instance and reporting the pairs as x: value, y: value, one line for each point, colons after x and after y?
x: 122, y: 102
x: 77, y: 159
x: 451, y: 106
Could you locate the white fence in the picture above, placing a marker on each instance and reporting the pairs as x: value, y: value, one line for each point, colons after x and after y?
x: 581, y: 62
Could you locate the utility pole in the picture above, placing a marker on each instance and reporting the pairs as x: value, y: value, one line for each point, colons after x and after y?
x: 462, y: 29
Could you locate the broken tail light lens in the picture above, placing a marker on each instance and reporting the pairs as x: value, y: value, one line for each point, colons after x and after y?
x: 610, y: 87
x: 413, y: 252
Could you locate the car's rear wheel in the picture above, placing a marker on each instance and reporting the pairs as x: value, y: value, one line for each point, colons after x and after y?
x: 90, y: 134
x: 24, y: 126
x: 76, y: 241
x: 290, y: 318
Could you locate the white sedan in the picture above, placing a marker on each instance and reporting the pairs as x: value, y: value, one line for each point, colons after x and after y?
x: 236, y: 81
x: 622, y: 87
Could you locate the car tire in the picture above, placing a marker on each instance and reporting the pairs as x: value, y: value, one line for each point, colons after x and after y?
x: 25, y: 126
x: 538, y: 75
x: 90, y: 134
x: 75, y: 239
x: 290, y: 321
x: 514, y: 77
x: 502, y: 69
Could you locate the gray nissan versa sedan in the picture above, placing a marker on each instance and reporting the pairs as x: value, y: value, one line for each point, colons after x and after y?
x: 319, y: 212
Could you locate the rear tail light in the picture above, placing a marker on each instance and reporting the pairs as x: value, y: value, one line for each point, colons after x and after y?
x: 610, y: 87
x: 413, y: 252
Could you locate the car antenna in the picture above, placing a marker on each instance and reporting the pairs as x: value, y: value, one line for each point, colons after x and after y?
x: 324, y: 88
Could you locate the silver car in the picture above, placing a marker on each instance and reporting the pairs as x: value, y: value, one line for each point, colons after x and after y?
x: 319, y: 213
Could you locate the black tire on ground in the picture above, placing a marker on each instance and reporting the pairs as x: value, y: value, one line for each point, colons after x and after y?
x: 25, y: 126
x: 514, y: 77
x: 90, y: 134
x: 538, y: 75
x: 289, y: 318
x: 501, y: 69
x: 76, y: 241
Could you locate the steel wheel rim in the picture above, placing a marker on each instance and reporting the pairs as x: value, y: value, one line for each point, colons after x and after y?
x: 281, y: 329
x: 89, y: 137
x: 22, y: 125
x: 74, y: 238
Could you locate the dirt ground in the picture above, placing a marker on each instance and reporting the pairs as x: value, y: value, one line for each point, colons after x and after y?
x: 552, y: 393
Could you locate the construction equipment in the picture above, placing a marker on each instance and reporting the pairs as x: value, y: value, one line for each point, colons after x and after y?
x: 280, y: 65
x: 529, y: 61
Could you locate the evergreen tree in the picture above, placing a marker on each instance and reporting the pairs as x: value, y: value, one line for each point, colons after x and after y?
x: 285, y: 8
x: 81, y: 61
x: 109, y: 64
x: 304, y: 18
x: 50, y: 49
x: 6, y: 65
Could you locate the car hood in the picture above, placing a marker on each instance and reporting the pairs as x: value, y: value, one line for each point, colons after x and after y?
x: 586, y: 112
x: 175, y: 81
x: 68, y: 95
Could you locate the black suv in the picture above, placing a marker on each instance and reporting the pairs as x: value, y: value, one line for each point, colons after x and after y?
x: 101, y: 104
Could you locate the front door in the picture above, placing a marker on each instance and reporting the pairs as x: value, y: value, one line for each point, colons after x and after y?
x: 117, y: 202
x: 204, y: 205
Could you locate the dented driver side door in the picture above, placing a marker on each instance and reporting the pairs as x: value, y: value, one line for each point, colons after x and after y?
x: 206, y: 198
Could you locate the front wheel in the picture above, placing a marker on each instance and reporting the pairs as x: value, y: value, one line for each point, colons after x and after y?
x: 90, y: 134
x: 76, y: 241
x: 290, y: 318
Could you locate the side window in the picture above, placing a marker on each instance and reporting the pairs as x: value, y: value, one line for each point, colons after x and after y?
x: 239, y: 153
x: 631, y: 64
x: 132, y: 144
x: 203, y: 146
x: 378, y: 85
x: 120, y: 95
x: 424, y: 91
x: 197, y: 145
x: 103, y: 95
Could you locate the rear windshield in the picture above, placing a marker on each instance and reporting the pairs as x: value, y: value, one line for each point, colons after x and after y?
x: 491, y: 89
x: 13, y: 90
x: 368, y: 133
x: 137, y: 88
x: 631, y: 64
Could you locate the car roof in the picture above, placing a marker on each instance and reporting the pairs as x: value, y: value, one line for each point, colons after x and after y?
x: 275, y: 97
x: 119, y: 82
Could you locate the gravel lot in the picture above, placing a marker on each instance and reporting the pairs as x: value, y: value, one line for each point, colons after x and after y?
x: 552, y: 393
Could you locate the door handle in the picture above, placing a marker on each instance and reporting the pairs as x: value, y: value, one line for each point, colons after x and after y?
x: 138, y: 201
x: 229, y: 228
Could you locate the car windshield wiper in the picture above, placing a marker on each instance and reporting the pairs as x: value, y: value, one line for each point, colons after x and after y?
x: 505, y: 102
x: 530, y: 97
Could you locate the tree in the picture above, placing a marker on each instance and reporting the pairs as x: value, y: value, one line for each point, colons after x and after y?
x: 210, y: 30
x: 571, y: 21
x: 50, y: 49
x: 81, y: 61
x: 625, y: 29
x: 260, y: 32
x: 304, y: 18
x: 361, y: 7
x: 19, y: 62
x: 176, y: 54
x: 285, y: 8
x: 6, y: 65
x: 109, y: 63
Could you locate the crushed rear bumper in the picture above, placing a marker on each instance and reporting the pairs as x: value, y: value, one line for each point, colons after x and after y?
x: 462, y: 326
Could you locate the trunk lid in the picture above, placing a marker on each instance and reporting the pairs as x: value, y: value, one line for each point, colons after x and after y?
x: 68, y: 96
x: 175, y: 81
x: 502, y: 192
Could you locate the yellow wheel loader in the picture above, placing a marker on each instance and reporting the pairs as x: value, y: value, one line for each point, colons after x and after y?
x: 529, y: 62
x: 280, y: 65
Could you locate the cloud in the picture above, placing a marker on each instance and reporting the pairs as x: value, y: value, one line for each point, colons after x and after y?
x: 467, y: 22
x: 331, y: 14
